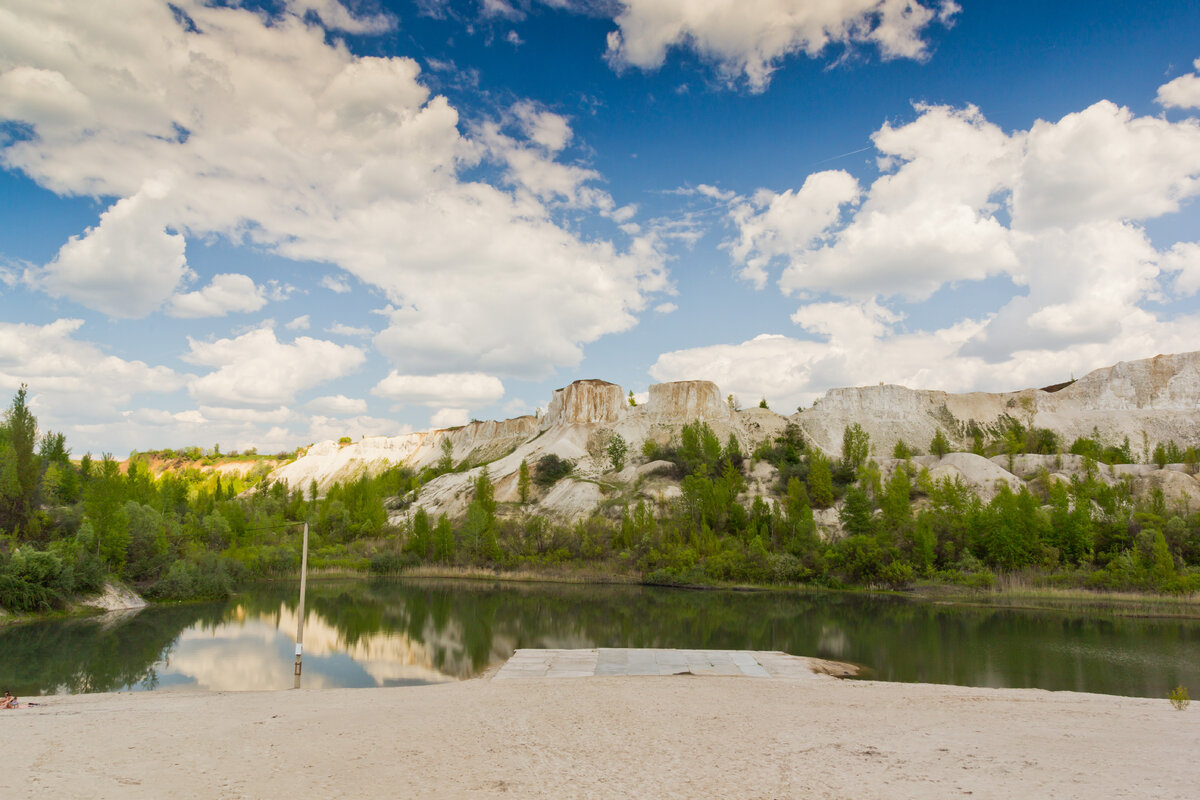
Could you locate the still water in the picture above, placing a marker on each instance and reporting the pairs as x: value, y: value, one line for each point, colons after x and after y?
x: 401, y: 632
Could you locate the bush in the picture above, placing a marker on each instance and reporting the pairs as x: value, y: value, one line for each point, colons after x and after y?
x: 1179, y: 698
x: 550, y: 469
x: 206, y: 579
x: 392, y: 563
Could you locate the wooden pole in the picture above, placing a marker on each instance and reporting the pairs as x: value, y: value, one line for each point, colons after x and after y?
x: 300, y: 614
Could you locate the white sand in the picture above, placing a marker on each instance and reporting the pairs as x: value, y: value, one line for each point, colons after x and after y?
x: 678, y: 736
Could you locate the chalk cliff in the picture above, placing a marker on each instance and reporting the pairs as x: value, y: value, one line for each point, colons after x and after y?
x: 1152, y: 400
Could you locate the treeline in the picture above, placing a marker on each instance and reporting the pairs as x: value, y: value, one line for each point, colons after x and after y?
x: 897, y: 530
x: 65, y: 524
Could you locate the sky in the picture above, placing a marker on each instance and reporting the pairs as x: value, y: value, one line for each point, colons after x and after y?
x: 265, y: 223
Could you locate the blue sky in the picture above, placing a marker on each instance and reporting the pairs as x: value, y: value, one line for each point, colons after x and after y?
x: 262, y: 224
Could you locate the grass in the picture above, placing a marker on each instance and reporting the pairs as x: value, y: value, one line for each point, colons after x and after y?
x: 1021, y: 591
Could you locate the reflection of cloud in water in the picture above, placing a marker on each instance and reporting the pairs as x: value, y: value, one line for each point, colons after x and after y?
x: 257, y: 652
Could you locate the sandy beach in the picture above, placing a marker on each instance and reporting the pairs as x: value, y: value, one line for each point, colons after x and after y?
x: 670, y: 736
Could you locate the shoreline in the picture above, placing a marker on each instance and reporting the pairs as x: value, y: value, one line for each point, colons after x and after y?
x: 690, y: 736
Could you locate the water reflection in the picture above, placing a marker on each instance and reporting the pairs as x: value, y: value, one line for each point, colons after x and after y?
x: 388, y: 633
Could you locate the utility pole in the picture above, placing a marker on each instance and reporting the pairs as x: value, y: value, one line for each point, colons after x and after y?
x: 300, y: 614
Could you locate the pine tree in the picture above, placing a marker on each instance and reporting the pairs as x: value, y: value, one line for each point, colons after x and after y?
x: 523, y: 482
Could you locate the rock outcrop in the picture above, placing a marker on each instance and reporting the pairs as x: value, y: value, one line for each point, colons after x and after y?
x: 1153, y: 400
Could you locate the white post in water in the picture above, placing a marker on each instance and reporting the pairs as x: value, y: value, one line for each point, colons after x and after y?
x: 300, y: 614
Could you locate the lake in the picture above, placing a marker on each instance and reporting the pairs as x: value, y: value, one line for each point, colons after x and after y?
x: 366, y: 633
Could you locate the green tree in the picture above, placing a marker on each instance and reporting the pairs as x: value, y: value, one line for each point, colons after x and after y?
x: 632, y: 402
x: 763, y: 403
x: 902, y: 450
x: 103, y: 507
x: 940, y: 445
x: 820, y: 481
x: 617, y: 450
x: 856, y: 447
x: 19, y: 470
x: 855, y: 514
x: 523, y: 482
x: 446, y: 462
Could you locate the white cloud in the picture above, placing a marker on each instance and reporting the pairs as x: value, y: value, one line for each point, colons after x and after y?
x: 336, y: 16
x: 1055, y: 209
x: 446, y: 389
x: 225, y: 293
x: 666, y: 308
x: 255, y: 369
x: 338, y: 329
x: 261, y: 130
x: 334, y: 284
x: 126, y: 266
x: 300, y: 323
x: 73, y: 381
x: 860, y: 344
x: 449, y: 418
x: 356, y: 427
x: 747, y: 39
x: 1183, y: 92
x: 1055, y: 212
x: 338, y: 404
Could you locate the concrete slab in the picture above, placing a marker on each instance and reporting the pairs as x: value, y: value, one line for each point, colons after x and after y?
x: 617, y: 661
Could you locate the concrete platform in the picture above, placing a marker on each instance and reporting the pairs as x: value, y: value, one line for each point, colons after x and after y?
x: 632, y: 661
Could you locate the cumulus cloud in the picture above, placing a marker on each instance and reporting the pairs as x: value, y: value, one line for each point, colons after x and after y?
x: 225, y: 121
x: 449, y: 418
x: 300, y: 323
x: 225, y: 293
x: 470, y: 389
x: 747, y: 39
x: 127, y: 265
x: 1183, y: 92
x: 666, y: 308
x: 1057, y: 212
x: 256, y: 369
x: 338, y: 404
x: 73, y: 381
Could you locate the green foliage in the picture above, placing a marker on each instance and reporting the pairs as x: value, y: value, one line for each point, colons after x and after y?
x: 820, y: 481
x: 390, y: 562
x: 763, y: 403
x: 617, y: 450
x: 551, y: 469
x: 1179, y: 698
x: 523, y: 482
x: 632, y: 402
x: 856, y: 446
x: 902, y: 450
x: 699, y: 449
x: 940, y: 445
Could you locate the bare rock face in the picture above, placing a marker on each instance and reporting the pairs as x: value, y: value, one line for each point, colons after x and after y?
x: 585, y: 402
x: 685, y: 401
x: 1153, y: 399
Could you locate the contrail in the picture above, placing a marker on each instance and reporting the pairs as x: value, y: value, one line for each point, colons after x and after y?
x: 843, y: 155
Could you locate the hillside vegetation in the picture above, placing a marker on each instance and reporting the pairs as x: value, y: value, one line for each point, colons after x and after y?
x: 688, y: 491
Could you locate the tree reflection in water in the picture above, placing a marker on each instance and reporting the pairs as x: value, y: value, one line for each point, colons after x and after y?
x: 389, y: 632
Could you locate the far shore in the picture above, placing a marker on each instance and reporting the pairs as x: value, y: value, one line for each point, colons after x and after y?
x: 673, y: 736
x: 1009, y: 594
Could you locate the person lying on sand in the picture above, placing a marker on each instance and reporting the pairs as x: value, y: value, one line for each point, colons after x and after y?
x: 9, y: 701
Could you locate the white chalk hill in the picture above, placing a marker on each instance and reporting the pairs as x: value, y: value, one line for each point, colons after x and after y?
x: 1151, y: 400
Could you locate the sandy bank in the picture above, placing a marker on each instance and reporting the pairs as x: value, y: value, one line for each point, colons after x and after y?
x: 656, y: 737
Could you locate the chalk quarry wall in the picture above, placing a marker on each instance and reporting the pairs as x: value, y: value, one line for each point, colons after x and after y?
x: 1155, y: 399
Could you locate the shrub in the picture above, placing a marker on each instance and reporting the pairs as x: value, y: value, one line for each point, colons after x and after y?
x: 551, y: 469
x: 391, y: 562
x: 1179, y: 697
